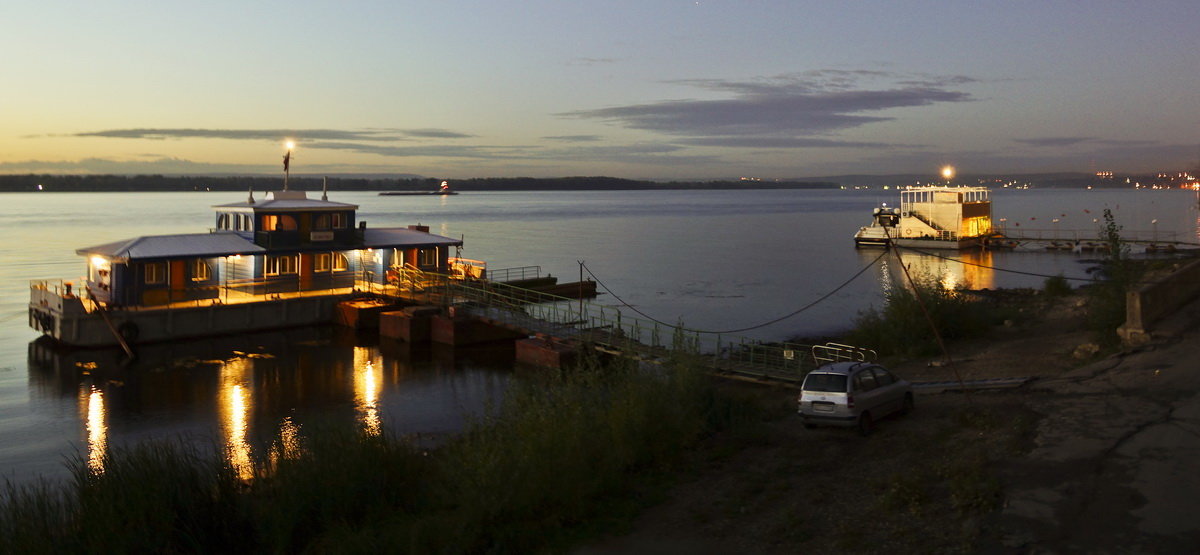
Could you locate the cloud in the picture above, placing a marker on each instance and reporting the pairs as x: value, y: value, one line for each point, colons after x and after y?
x: 779, y: 142
x: 592, y: 61
x: 275, y: 134
x: 784, y: 106
x: 1054, y: 141
x: 573, y: 138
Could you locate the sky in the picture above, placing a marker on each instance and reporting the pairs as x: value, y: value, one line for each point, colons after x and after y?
x: 645, y: 89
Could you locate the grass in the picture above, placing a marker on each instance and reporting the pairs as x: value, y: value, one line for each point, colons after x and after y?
x: 905, y: 324
x: 560, y: 456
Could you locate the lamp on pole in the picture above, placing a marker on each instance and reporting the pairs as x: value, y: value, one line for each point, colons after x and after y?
x: 287, y: 162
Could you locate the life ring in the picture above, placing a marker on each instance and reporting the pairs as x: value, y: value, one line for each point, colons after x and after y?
x: 128, y: 331
x: 908, y: 232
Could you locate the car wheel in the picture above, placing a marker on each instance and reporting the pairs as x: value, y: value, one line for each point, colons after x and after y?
x: 865, y: 424
x: 908, y: 404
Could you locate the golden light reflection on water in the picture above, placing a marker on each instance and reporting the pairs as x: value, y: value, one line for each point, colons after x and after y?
x: 235, y: 403
x: 974, y: 272
x: 97, y: 428
x: 288, y: 444
x: 367, y: 383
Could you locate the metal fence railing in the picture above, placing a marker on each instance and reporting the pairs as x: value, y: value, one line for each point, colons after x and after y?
x: 608, y: 327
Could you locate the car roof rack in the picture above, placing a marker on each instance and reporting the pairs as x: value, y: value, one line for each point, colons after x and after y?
x: 838, y: 352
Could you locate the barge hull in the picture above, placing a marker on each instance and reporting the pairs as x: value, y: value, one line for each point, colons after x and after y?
x: 89, y: 329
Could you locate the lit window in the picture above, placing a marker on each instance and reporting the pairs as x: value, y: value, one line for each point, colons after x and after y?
x: 340, y: 262
x: 322, y: 262
x: 279, y: 223
x: 321, y: 222
x: 281, y: 265
x: 427, y: 257
x: 156, y: 272
x: 338, y: 219
x: 201, y: 270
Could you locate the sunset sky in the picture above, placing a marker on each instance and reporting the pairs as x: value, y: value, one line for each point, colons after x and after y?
x: 640, y: 89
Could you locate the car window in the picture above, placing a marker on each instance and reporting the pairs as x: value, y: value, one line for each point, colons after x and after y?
x: 883, y: 377
x: 864, y: 381
x: 825, y: 383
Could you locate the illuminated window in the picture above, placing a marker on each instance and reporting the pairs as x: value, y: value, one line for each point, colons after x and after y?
x: 156, y: 272
x: 201, y: 270
x: 340, y: 262
x: 427, y: 257
x: 273, y: 222
x: 282, y: 265
x: 321, y: 222
x: 338, y: 219
x: 322, y: 262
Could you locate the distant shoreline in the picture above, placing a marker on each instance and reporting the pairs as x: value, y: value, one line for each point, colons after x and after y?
x: 409, y: 183
x: 159, y: 183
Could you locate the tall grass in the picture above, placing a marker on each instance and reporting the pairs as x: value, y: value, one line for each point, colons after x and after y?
x: 901, y: 327
x: 559, y: 453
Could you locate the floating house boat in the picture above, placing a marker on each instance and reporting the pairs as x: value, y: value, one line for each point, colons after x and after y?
x: 281, y: 261
x: 935, y: 217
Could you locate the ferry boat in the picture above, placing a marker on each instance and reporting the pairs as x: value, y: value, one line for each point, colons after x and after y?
x: 934, y: 217
x: 284, y: 260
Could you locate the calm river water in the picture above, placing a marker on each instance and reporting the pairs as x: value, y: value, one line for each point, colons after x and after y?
x: 716, y: 260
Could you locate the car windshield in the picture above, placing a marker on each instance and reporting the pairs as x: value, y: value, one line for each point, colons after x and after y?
x: 825, y: 382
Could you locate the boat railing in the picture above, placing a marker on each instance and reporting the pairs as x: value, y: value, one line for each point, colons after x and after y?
x: 515, y: 274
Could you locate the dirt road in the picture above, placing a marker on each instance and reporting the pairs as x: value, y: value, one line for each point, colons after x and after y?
x: 1099, y: 457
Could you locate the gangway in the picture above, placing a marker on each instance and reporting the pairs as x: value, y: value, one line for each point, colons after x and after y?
x: 607, y: 329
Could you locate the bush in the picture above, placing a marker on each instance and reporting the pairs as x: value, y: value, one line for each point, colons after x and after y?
x: 902, y: 328
x: 1056, y: 286
x: 1119, y: 273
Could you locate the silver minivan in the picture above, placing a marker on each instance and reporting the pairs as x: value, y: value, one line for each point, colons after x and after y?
x: 852, y: 394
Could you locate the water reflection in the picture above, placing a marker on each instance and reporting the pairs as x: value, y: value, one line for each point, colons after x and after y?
x: 367, y: 382
x: 97, y: 428
x: 972, y: 269
x: 234, y: 401
x: 252, y: 399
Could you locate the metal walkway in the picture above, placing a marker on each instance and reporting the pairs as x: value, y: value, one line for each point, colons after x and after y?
x: 607, y: 329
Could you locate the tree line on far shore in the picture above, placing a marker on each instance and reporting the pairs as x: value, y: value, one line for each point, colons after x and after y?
x: 169, y: 183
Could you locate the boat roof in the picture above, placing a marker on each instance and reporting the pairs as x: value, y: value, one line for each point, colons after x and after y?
x: 388, y: 237
x: 229, y: 243
x: 288, y: 200
x: 184, y: 245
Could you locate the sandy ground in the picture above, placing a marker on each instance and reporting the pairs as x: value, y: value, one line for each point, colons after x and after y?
x: 1091, y: 456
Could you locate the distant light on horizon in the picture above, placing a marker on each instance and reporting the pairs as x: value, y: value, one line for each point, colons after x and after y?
x: 948, y: 172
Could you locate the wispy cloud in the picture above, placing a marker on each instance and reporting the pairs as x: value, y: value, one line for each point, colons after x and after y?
x: 275, y: 134
x: 591, y: 61
x: 788, y: 106
x: 1054, y: 141
x: 573, y: 138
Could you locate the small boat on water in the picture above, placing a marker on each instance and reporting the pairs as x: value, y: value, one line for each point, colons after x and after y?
x: 282, y: 260
x: 933, y: 217
x: 444, y: 189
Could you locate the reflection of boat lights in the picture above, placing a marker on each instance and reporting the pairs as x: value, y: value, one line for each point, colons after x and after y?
x: 288, y: 446
x: 366, y: 389
x: 235, y: 403
x: 97, y: 431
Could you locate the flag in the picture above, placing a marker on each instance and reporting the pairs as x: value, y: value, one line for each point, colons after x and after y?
x: 287, y: 159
